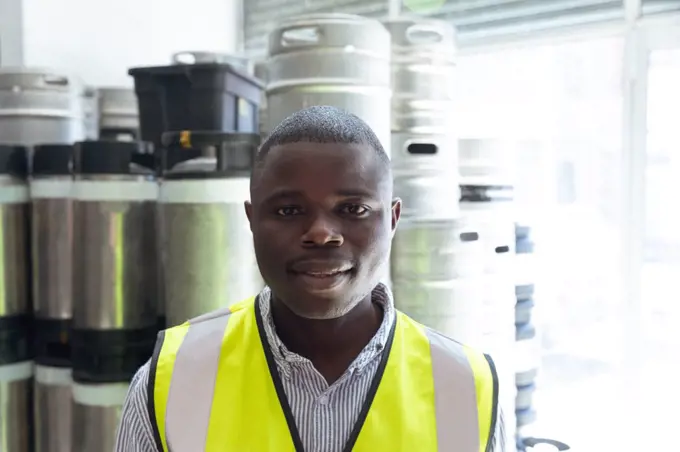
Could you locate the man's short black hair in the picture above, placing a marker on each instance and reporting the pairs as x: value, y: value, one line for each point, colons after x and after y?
x: 322, y: 124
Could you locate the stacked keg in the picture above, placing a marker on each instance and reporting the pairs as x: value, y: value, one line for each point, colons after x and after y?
x: 51, y: 243
x: 340, y: 60
x: 91, y: 113
x: 39, y: 106
x: 208, y: 256
x: 431, y: 252
x: 16, y: 366
x: 486, y: 202
x: 527, y: 345
x: 260, y: 71
x: 114, y: 310
x: 204, y: 177
x: 118, y: 117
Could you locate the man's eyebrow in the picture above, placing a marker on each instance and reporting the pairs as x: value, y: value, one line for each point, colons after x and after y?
x: 282, y: 193
x: 355, y: 193
x: 288, y: 193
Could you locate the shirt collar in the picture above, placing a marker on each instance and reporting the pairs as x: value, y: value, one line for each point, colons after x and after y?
x: 287, y: 360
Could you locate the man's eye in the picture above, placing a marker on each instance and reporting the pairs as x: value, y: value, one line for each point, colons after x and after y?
x: 288, y: 211
x: 354, y: 209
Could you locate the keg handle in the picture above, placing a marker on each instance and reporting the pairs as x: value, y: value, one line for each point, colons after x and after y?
x: 468, y: 237
x: 419, y: 34
x: 55, y: 80
x: 300, y: 36
x: 421, y: 148
x: 533, y: 442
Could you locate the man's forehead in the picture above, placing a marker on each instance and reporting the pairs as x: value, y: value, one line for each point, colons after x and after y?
x: 321, y: 152
x: 315, y: 162
x: 317, y: 165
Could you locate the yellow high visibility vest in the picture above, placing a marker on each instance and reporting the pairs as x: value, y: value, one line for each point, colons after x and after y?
x: 212, y: 387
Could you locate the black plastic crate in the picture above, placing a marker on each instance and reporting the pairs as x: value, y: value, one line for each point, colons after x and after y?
x: 215, y: 97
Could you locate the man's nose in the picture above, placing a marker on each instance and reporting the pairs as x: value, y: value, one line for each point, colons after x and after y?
x: 322, y: 231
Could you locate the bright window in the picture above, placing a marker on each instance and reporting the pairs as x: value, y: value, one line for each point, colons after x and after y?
x: 563, y: 104
x: 660, y: 309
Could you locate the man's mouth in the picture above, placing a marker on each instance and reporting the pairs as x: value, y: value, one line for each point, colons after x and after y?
x: 324, y: 273
x: 321, y: 274
x: 322, y: 280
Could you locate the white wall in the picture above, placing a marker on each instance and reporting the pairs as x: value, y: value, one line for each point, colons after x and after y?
x: 99, y: 41
x: 11, y: 46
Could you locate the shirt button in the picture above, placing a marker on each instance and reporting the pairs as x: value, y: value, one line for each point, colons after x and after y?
x: 323, y: 400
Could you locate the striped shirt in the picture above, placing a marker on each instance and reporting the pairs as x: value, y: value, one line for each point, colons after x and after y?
x: 324, y: 414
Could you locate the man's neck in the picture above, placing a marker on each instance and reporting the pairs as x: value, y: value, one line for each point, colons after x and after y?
x: 332, y: 344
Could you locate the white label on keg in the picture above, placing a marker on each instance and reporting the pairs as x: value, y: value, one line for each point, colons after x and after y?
x: 61, y: 188
x: 54, y: 376
x: 205, y: 191
x: 118, y: 190
x: 14, y: 194
x: 103, y: 395
x: 16, y: 372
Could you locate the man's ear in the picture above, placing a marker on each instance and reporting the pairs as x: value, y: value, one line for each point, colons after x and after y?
x: 396, y: 214
x: 249, y: 213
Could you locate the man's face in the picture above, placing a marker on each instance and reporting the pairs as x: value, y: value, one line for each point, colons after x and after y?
x: 322, y: 218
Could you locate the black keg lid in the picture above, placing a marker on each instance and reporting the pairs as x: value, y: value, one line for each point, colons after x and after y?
x: 52, y: 159
x: 112, y: 157
x: 14, y: 160
x: 234, y: 153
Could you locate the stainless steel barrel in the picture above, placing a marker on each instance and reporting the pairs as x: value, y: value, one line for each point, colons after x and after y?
x: 208, y: 256
x: 114, y: 305
x: 486, y: 203
x: 40, y: 106
x: 96, y: 414
x: 330, y: 59
x: 436, y: 269
x: 260, y: 71
x: 424, y: 162
x: 425, y: 176
x: 51, y: 244
x: 91, y: 113
x: 161, y: 320
x: 497, y: 236
x: 14, y: 214
x: 424, y: 152
x: 486, y: 197
x: 16, y: 407
x: 423, y: 75
x: 487, y: 162
x: 528, y: 342
x: 114, y: 205
x: 16, y: 367
x: 118, y: 115
x: 53, y: 396
x: 526, y: 264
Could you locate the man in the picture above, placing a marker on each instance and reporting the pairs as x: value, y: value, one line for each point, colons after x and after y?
x: 319, y: 361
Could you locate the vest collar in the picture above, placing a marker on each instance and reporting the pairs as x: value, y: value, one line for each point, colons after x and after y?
x: 286, y: 360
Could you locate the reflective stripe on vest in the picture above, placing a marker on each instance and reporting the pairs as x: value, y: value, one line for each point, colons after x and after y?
x: 210, y: 389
